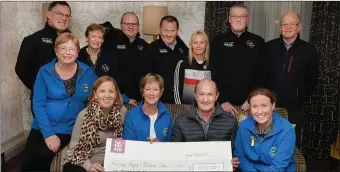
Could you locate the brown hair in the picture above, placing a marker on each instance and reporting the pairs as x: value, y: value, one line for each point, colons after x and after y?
x: 121, y: 19
x: 150, y: 78
x: 99, y: 82
x: 207, y: 48
x: 264, y: 92
x: 169, y: 19
x: 94, y: 27
x: 64, y: 37
x: 55, y: 3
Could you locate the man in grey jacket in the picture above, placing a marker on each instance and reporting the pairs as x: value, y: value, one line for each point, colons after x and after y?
x: 206, y: 120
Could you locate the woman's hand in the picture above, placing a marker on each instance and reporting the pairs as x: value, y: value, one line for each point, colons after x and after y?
x: 235, y: 162
x: 133, y: 102
x: 96, y: 167
x: 53, y: 143
x: 152, y: 140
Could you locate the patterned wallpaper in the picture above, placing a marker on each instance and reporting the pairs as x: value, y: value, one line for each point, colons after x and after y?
x: 19, y: 19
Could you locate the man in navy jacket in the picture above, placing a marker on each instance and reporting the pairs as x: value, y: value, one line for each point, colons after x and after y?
x: 292, y: 70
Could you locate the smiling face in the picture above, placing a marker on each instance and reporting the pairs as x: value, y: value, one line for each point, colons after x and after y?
x: 262, y: 110
x: 151, y: 93
x: 198, y: 45
x: 206, y: 96
x: 95, y: 39
x: 67, y: 52
x: 106, y: 95
x: 130, y: 25
x: 169, y: 32
x: 290, y: 26
x: 59, y: 17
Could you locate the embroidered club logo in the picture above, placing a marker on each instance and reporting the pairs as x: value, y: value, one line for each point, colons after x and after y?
x: 140, y: 48
x: 105, y: 68
x: 121, y: 47
x: 46, y: 40
x: 229, y: 44
x: 207, y: 75
x: 272, y: 151
x: 118, y: 146
x: 85, y: 88
x: 181, y: 50
x: 165, y: 131
x: 163, y: 50
x: 250, y: 44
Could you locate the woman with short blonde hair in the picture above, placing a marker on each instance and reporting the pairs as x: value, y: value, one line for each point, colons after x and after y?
x: 151, y: 113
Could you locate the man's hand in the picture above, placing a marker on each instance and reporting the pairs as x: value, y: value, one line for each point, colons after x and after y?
x: 133, y: 102
x: 245, y: 106
x: 53, y: 143
x: 235, y: 162
x: 229, y: 108
x: 152, y: 140
x: 96, y: 167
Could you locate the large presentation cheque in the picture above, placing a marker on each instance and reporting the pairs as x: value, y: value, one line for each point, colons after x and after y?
x: 126, y: 155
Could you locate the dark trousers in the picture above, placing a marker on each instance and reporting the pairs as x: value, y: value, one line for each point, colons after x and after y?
x: 68, y: 167
x: 297, y: 117
x: 37, y: 156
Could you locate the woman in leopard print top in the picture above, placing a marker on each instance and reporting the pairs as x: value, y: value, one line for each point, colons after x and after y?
x: 101, y: 119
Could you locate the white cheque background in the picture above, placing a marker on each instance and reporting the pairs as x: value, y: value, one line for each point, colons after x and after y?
x: 170, y: 156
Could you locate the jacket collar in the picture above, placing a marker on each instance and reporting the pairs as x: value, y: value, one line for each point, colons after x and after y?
x: 193, y: 110
x: 52, y: 30
x: 161, y: 108
x: 180, y: 42
x: 51, y: 66
x: 296, y: 40
x: 277, y: 127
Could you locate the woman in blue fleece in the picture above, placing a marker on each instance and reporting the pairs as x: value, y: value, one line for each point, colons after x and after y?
x: 60, y: 92
x: 151, y: 120
x: 265, y: 141
x: 103, y: 61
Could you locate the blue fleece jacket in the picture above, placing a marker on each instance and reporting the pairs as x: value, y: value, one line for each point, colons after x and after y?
x: 137, y: 124
x: 56, y: 112
x: 273, y: 153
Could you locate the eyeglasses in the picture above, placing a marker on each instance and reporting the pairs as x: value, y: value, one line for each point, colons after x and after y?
x: 285, y: 25
x: 65, y: 49
x: 130, y: 24
x: 238, y: 17
x: 60, y: 14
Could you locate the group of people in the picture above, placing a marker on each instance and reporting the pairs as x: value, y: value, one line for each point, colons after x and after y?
x: 78, y: 94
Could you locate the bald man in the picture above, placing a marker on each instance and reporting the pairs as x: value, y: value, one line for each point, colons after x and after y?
x: 292, y: 72
x: 196, y: 124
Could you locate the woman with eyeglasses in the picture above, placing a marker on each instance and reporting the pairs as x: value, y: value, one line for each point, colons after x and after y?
x: 102, y: 60
x: 60, y: 92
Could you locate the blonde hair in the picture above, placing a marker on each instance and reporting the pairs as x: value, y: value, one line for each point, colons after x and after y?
x: 94, y: 27
x: 64, y: 37
x: 150, y: 78
x: 207, y: 48
x: 99, y: 82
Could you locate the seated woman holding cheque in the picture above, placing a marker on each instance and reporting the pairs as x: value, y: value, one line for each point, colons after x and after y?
x: 151, y: 120
x: 265, y: 141
x: 101, y: 119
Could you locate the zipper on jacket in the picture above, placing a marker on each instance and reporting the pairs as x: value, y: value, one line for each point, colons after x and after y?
x: 282, y: 70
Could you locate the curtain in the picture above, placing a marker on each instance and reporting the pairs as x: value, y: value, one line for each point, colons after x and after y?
x: 216, y: 17
x: 322, y: 108
x: 264, y: 17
